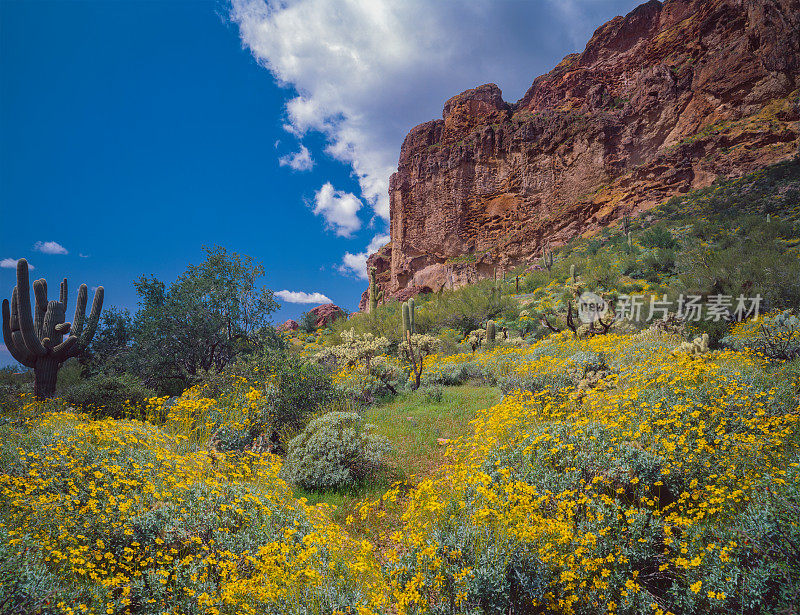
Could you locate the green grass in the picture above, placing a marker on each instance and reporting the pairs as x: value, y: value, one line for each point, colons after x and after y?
x: 413, y: 426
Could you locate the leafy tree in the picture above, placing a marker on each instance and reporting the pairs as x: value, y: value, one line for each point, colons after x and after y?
x: 109, y: 351
x: 209, y: 315
x: 308, y: 322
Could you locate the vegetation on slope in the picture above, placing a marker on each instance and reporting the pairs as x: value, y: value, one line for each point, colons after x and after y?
x: 647, y: 469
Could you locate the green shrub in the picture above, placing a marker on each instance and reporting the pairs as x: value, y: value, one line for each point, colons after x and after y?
x: 308, y: 322
x: 657, y: 237
x: 335, y: 450
x: 433, y: 393
x: 14, y: 385
x: 109, y: 396
x: 294, y: 391
x: 776, y: 337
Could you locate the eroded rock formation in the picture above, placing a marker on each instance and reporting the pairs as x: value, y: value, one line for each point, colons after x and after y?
x: 660, y: 102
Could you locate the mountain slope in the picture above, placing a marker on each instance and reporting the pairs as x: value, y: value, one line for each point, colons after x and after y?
x: 661, y: 101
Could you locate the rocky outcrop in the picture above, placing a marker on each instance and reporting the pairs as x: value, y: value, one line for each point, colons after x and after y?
x: 289, y: 325
x: 326, y: 313
x: 661, y: 101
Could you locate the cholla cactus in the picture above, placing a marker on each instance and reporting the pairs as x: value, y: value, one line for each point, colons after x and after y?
x: 413, y: 350
x: 36, y: 342
x: 698, y: 346
x: 356, y: 349
x: 476, y: 338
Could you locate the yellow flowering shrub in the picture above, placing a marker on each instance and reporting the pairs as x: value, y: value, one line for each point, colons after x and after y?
x: 125, y: 519
x: 627, y: 498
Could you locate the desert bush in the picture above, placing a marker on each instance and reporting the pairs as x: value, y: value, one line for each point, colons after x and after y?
x: 363, y: 387
x: 115, y: 396
x: 26, y: 585
x: 15, y: 386
x: 776, y: 336
x: 657, y: 236
x: 307, y: 322
x: 464, y: 309
x: 385, y: 321
x: 433, y: 393
x: 294, y: 390
x: 109, y: 543
x: 335, y: 450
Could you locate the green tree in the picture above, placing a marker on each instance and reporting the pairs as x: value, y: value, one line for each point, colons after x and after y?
x: 109, y: 351
x: 208, y: 316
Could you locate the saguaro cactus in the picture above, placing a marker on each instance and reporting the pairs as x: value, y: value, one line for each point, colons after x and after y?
x: 490, y: 332
x: 547, y: 257
x: 374, y: 294
x: 408, y: 317
x: 36, y: 341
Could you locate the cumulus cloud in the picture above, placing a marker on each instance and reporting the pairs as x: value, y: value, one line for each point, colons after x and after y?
x: 363, y: 72
x: 298, y: 161
x: 292, y: 296
x: 50, y: 247
x: 356, y: 264
x: 339, y: 208
x: 11, y: 263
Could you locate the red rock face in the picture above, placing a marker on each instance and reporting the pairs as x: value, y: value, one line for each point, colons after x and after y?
x: 660, y: 102
x: 289, y: 325
x: 326, y: 313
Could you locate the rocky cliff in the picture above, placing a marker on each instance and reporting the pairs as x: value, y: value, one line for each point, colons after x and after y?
x: 660, y: 102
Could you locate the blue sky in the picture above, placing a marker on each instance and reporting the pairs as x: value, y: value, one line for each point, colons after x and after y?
x: 134, y: 132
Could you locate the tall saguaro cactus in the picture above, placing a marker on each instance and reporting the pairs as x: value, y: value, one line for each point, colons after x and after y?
x: 407, y: 310
x: 375, y: 295
x: 35, y: 339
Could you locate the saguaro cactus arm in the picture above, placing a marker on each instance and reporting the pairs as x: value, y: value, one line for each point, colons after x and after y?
x: 40, y: 309
x: 85, y: 336
x: 80, y: 310
x: 26, y: 325
x: 62, y: 299
x: 14, y: 342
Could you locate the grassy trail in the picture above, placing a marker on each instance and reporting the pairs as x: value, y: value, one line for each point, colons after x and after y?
x: 414, y: 426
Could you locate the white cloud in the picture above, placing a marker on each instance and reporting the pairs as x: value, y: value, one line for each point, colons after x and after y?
x: 299, y: 161
x: 83, y: 255
x: 364, y: 72
x: 356, y: 264
x: 11, y: 263
x: 340, y: 209
x: 292, y: 296
x: 49, y: 247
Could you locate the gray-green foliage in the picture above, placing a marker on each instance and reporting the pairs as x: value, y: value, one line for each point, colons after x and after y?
x: 114, y: 396
x: 335, y: 450
x: 778, y: 337
x: 433, y: 393
x: 586, y: 361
